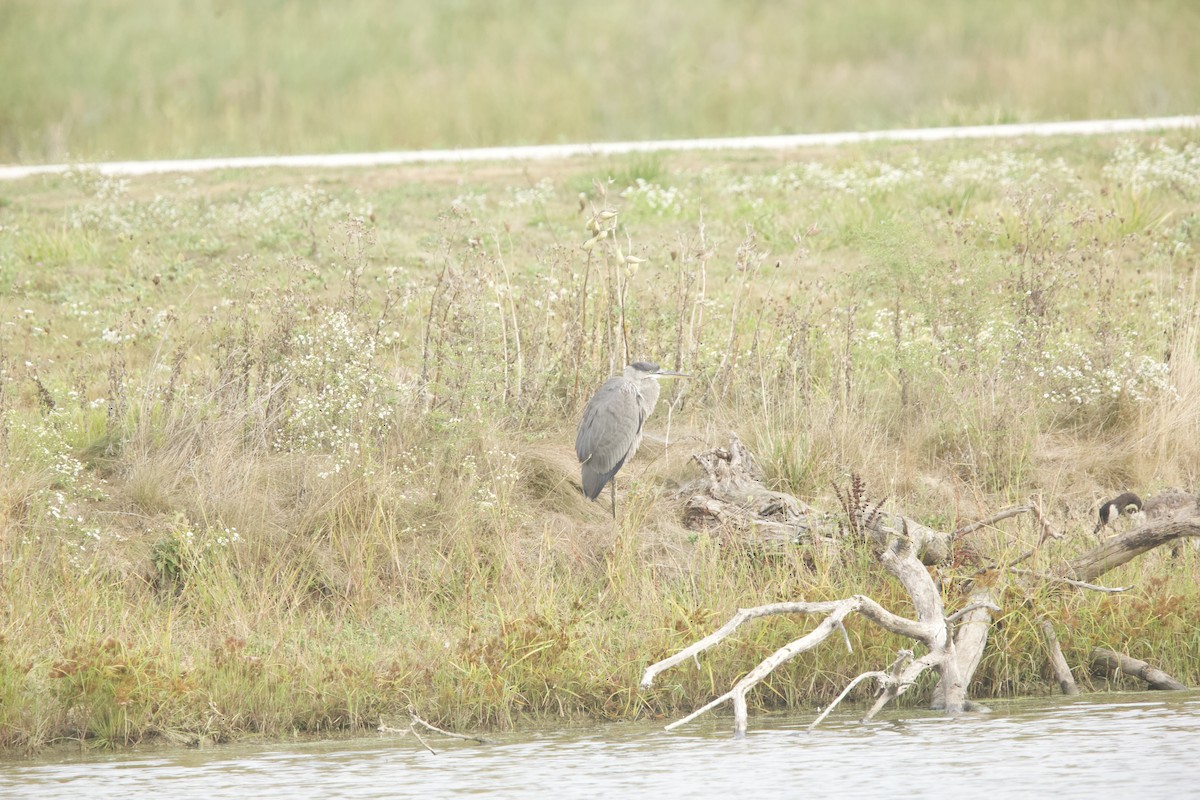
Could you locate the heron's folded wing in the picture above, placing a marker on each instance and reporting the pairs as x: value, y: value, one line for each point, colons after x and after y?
x: 608, y: 431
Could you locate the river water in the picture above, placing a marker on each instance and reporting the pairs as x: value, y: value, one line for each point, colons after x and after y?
x: 1144, y: 745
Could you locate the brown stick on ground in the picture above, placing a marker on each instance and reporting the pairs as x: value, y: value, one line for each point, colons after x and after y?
x: 1111, y: 664
x: 1062, y: 672
x: 1007, y: 513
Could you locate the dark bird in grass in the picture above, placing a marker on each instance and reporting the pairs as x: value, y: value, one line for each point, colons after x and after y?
x: 1169, y: 503
x: 1111, y: 510
x: 612, y: 424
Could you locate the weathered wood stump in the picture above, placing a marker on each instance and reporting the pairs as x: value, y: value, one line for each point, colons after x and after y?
x: 732, y: 494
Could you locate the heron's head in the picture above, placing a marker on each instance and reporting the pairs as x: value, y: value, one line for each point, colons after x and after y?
x: 641, y: 370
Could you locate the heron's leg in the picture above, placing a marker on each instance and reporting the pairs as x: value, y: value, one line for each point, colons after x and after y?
x: 613, y: 485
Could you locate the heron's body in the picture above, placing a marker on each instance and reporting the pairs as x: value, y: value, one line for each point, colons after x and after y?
x: 612, y: 424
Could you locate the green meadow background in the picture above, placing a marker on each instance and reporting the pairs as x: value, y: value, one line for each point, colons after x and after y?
x: 117, y: 79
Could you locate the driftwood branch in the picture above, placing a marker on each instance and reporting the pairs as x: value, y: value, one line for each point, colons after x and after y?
x: 1058, y: 664
x: 835, y: 612
x: 899, y: 684
x: 732, y: 498
x: 742, y: 616
x: 999, y: 516
x: 1070, y: 582
x: 731, y: 494
x: 1126, y: 547
x: 896, y: 551
x: 418, y: 721
x: 1111, y: 664
x: 962, y: 612
x: 891, y: 673
x: 1030, y: 508
x: 738, y: 693
x: 970, y: 640
x: 415, y: 722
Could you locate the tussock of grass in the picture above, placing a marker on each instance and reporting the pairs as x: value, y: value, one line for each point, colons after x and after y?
x: 294, y: 462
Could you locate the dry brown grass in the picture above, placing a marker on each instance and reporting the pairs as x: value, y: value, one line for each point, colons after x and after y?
x: 294, y: 488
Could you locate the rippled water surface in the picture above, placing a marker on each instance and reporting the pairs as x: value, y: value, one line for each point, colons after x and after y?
x: 1144, y: 745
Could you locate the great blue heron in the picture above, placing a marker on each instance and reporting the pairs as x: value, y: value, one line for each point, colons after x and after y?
x: 611, y: 428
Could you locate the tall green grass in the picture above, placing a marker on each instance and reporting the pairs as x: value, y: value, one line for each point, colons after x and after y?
x: 287, y: 454
x: 125, y: 79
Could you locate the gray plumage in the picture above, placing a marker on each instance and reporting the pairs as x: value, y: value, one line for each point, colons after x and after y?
x: 612, y: 424
x: 1171, y: 503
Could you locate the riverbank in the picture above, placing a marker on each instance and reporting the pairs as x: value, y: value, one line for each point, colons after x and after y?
x: 286, y: 452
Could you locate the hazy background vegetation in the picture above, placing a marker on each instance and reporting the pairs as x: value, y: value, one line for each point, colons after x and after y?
x: 123, y: 79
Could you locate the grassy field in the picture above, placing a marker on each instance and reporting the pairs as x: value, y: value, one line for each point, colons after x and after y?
x: 175, y: 78
x: 286, y: 452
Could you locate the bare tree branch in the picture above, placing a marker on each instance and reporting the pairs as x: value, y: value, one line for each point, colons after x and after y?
x: 999, y: 516
x: 970, y: 639
x: 1112, y: 664
x: 835, y: 611
x: 734, y: 498
x: 743, y: 615
x: 1071, y: 582
x: 418, y: 721
x: 415, y: 720
x: 1047, y: 531
x: 1058, y: 664
x: 962, y: 612
x: 901, y: 683
x: 1122, y: 549
x: 849, y: 687
x: 896, y: 550
x: 1029, y: 508
x: 767, y: 665
x: 422, y: 741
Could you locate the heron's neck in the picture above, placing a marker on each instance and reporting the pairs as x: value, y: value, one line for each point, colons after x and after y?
x: 649, y: 390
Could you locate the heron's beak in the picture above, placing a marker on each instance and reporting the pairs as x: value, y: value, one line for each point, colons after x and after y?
x: 666, y: 373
